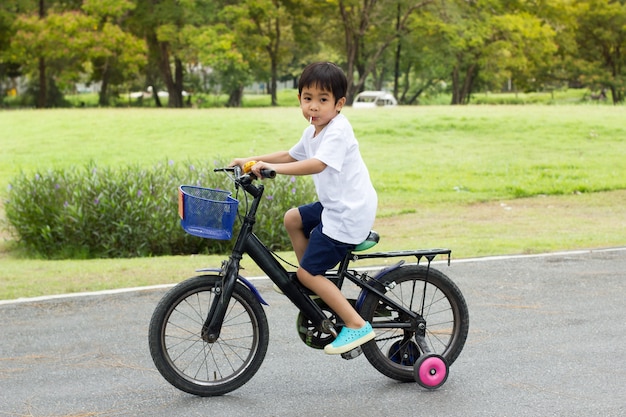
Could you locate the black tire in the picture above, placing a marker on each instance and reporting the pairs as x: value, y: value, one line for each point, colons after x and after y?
x: 393, y: 350
x: 189, y: 363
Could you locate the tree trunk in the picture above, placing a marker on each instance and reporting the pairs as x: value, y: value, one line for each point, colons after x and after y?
x: 273, y: 82
x: 103, y: 96
x: 43, y: 90
x: 455, y: 86
x: 41, y: 97
x: 274, y: 52
x: 176, y: 96
x: 468, y: 84
x: 234, y: 98
x: 398, y: 54
x: 462, y: 89
x: 157, y: 99
x: 616, y: 95
x: 173, y: 82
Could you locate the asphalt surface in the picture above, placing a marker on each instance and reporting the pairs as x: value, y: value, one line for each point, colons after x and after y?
x: 547, y: 338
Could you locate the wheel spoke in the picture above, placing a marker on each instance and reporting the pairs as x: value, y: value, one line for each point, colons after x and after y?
x: 436, y: 299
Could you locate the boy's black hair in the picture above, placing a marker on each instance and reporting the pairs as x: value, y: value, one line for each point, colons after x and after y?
x: 326, y: 76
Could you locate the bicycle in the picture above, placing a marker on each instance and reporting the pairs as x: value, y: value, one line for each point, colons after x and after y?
x: 209, y: 334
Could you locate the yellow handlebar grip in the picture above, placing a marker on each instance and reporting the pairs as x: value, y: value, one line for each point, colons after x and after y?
x: 247, y: 167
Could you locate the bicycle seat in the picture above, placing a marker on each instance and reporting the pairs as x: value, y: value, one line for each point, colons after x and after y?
x: 369, y: 242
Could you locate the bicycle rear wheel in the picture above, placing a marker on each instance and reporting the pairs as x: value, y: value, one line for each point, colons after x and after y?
x: 191, y: 364
x: 429, y: 293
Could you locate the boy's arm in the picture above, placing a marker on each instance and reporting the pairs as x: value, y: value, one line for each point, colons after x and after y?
x: 305, y: 167
x: 279, y: 157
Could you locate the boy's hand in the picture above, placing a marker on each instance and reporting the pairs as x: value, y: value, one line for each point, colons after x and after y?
x: 238, y: 162
x: 257, y: 167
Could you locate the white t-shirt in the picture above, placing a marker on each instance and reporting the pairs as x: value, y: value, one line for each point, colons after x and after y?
x: 344, y: 187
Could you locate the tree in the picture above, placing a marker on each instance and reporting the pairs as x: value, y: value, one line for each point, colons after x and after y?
x: 521, y: 49
x: 466, y: 45
x: 218, y: 47
x: 9, y: 9
x: 490, y: 41
x: 67, y: 45
x: 38, y: 8
x: 54, y: 47
x: 369, y: 28
x: 253, y: 30
x: 425, y: 61
x: 270, y: 17
x: 116, y: 55
x: 601, y: 41
x: 163, y: 24
x: 465, y: 29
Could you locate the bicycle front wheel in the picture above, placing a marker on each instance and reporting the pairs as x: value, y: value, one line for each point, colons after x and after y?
x: 193, y: 365
x: 432, y: 295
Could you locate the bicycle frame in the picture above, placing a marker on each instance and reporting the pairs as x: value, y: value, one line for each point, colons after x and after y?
x: 248, y: 243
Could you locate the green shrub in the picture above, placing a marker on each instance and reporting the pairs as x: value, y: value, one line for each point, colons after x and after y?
x: 103, y: 212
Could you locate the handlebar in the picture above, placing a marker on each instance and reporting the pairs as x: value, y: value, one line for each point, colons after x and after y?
x: 268, y: 173
x: 240, y: 172
x: 265, y: 173
x: 244, y: 180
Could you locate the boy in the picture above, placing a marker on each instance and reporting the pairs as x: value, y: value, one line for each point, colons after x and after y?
x: 321, y: 233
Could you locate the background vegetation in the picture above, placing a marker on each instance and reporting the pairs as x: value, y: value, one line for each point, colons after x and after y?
x: 419, y: 155
x: 207, y: 47
x: 128, y: 211
x: 482, y: 180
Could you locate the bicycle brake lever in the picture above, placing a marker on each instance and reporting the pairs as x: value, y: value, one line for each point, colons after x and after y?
x: 245, y: 179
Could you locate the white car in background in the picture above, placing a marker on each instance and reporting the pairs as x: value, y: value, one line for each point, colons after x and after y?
x: 371, y: 99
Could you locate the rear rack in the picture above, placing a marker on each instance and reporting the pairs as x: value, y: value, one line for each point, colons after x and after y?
x: 429, y: 254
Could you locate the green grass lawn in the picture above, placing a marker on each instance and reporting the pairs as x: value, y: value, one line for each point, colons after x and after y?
x: 482, y: 180
x: 416, y: 154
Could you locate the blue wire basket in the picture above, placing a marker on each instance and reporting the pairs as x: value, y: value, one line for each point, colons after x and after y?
x: 206, y: 212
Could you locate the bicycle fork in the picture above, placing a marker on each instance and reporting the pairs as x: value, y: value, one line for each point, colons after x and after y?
x: 213, y: 323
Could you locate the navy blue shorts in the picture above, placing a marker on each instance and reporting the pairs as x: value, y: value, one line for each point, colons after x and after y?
x: 322, y: 252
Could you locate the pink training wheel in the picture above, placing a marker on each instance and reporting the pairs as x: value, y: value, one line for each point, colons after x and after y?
x: 431, y: 371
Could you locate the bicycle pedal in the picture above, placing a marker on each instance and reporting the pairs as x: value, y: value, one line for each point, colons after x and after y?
x: 352, y: 353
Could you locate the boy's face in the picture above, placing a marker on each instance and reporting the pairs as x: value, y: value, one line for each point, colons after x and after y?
x: 318, y: 106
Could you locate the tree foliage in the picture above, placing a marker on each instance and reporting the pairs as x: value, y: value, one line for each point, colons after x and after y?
x: 462, y: 46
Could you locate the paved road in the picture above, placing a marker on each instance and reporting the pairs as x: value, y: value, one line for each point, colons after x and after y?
x: 547, y: 338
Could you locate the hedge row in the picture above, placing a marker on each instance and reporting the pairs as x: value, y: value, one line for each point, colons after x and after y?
x: 103, y: 212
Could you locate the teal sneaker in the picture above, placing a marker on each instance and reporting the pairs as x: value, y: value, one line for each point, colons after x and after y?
x: 348, y: 339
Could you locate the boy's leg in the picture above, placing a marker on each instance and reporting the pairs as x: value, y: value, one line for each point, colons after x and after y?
x: 299, y: 222
x: 332, y: 296
x: 356, y: 331
x: 323, y: 253
x: 294, y: 227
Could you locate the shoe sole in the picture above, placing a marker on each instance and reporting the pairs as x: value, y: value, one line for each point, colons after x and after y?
x: 329, y: 350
